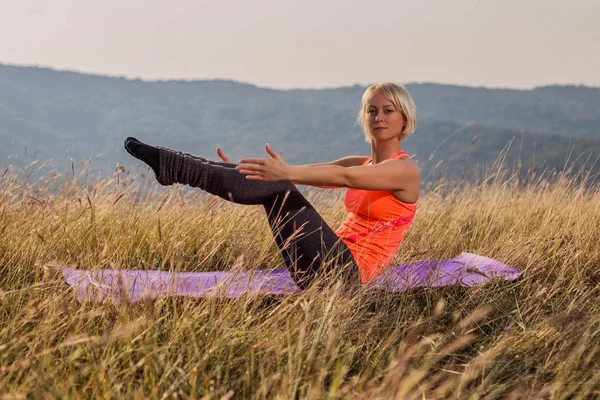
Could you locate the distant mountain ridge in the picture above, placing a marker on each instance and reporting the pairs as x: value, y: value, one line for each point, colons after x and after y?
x: 53, y: 112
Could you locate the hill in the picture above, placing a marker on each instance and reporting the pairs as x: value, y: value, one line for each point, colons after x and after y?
x: 63, y: 115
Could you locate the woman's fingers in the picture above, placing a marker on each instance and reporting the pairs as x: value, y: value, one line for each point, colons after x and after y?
x: 255, y: 178
x: 252, y: 172
x: 263, y: 169
x: 253, y: 175
x: 250, y: 169
x: 257, y: 161
x: 270, y: 151
x: 222, y: 155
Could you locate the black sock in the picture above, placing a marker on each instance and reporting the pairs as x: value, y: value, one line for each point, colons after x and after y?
x: 144, y: 152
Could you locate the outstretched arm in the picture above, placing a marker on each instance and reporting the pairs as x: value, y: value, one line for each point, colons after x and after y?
x: 349, y: 161
x: 392, y: 175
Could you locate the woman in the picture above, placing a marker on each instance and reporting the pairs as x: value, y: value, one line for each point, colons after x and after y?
x: 381, y: 200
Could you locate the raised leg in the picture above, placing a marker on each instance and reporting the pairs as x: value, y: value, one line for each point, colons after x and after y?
x: 308, y: 245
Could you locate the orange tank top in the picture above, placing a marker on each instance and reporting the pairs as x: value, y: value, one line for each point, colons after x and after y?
x: 375, y: 227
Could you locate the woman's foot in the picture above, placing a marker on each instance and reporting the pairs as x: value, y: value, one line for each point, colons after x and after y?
x: 144, y: 152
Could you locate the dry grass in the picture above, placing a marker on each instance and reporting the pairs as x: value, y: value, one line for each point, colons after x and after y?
x: 538, y: 337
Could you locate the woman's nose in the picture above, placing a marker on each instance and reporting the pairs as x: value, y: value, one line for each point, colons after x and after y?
x: 378, y: 117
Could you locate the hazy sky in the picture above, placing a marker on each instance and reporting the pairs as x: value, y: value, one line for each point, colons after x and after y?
x: 311, y: 43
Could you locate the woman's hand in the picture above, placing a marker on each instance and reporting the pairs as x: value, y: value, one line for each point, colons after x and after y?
x: 265, y: 169
x: 222, y: 155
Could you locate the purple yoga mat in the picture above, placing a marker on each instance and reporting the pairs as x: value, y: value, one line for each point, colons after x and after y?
x: 132, y: 285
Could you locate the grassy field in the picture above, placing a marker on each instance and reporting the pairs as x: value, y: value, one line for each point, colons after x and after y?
x: 538, y: 337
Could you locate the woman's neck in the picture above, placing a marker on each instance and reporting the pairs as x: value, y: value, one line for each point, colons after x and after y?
x: 384, y: 151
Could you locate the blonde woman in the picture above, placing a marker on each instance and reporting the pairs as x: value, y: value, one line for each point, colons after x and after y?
x: 381, y: 199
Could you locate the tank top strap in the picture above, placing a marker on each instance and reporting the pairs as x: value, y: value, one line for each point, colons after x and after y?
x: 399, y: 154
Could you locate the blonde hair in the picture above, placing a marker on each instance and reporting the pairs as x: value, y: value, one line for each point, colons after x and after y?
x: 399, y: 97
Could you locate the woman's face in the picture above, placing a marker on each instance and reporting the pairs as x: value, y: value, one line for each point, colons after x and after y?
x: 384, y: 121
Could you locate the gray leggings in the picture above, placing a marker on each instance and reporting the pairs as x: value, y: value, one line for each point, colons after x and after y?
x: 308, y: 245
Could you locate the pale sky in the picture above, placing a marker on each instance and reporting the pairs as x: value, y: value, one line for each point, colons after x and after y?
x: 311, y: 43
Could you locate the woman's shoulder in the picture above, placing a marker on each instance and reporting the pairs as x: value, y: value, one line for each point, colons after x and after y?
x: 405, y: 161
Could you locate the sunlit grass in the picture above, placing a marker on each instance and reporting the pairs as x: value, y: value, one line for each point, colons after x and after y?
x: 536, y: 337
